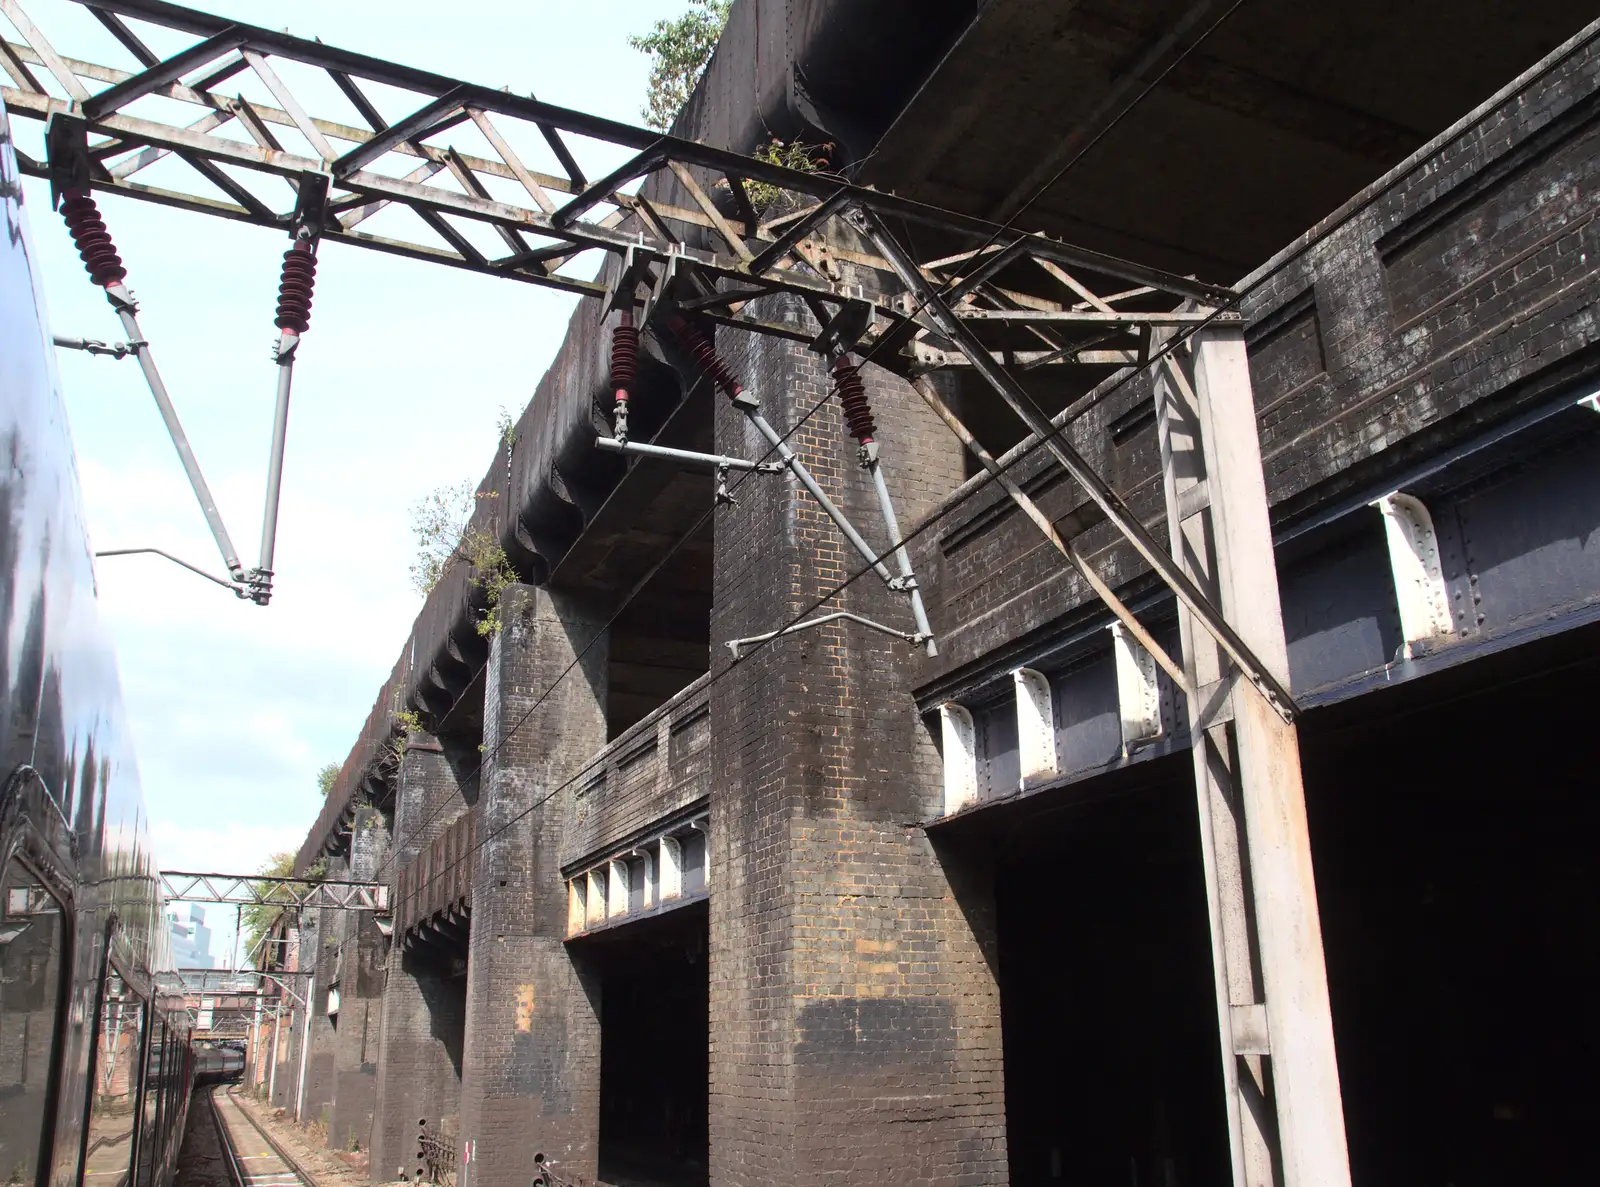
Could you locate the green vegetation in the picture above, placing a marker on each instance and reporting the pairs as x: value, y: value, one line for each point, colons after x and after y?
x: 791, y: 154
x: 442, y: 523
x: 679, y: 51
x: 257, y: 919
x: 326, y: 778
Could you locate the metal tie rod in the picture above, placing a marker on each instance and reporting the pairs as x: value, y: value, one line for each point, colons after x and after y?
x: 734, y: 645
x: 692, y: 457
x: 127, y: 310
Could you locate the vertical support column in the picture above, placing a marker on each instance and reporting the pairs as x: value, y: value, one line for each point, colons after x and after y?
x: 360, y: 972
x: 617, y: 889
x: 670, y: 885
x: 1286, y: 1118
x: 319, y: 1084
x: 1419, y: 586
x: 532, y: 1078
x: 648, y: 873
x: 419, y: 1043
x: 854, y: 1012
x: 1138, y: 691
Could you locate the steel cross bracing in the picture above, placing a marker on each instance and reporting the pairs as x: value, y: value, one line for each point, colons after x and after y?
x: 1010, y: 297
x: 260, y: 890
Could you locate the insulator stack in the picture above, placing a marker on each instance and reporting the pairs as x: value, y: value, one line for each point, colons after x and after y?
x: 93, y: 241
x: 624, y: 358
x: 852, y: 393
x: 706, y: 356
x: 294, y: 288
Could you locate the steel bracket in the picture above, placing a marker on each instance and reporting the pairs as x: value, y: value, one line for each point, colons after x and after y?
x: 66, y: 139
x: 310, y: 206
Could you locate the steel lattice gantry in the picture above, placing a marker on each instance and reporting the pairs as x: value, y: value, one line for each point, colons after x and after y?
x: 214, y: 111
x: 259, y: 890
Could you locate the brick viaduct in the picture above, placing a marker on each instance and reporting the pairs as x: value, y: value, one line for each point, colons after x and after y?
x: 659, y: 919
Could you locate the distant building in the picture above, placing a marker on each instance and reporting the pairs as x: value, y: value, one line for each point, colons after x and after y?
x: 191, y: 938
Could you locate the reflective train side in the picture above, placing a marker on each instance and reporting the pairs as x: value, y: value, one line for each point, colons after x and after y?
x: 95, y: 1056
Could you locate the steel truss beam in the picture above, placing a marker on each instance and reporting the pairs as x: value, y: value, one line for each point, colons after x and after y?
x: 216, y: 981
x: 393, y: 163
x: 1053, y: 287
x: 258, y: 890
x: 1059, y: 281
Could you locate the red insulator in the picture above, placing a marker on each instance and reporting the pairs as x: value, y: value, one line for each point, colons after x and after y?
x: 852, y: 393
x: 705, y: 355
x: 93, y: 241
x: 294, y: 288
x: 624, y: 358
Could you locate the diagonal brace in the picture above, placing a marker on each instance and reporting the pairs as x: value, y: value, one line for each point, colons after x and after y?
x: 1098, y: 490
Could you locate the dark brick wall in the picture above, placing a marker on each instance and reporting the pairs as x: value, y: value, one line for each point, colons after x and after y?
x: 654, y: 770
x: 360, y: 969
x: 1453, y: 294
x: 419, y: 1043
x: 533, y: 1055
x: 854, y: 1015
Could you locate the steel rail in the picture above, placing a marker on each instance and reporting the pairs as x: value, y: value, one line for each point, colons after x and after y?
x: 289, y: 1160
x: 230, y: 1159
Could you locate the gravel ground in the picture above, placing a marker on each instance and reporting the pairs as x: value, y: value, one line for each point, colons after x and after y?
x: 304, y: 1143
x: 200, y: 1157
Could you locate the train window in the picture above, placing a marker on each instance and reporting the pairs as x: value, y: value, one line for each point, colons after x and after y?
x: 115, y: 1085
x: 32, y: 936
x: 150, y: 1106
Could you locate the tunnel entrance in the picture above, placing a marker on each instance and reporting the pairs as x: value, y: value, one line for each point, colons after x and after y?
x: 654, y: 1049
x: 1453, y: 825
x: 1108, y: 1014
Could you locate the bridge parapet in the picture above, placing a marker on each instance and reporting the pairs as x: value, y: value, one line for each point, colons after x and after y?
x: 654, y: 771
x: 437, y: 883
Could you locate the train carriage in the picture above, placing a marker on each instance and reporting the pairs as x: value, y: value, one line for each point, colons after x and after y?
x: 96, y: 1065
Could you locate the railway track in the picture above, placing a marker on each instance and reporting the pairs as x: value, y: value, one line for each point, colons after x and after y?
x: 252, y: 1157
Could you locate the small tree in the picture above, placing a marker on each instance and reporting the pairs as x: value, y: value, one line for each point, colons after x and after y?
x: 257, y: 919
x: 442, y: 524
x: 439, y: 521
x: 326, y: 779
x: 679, y: 51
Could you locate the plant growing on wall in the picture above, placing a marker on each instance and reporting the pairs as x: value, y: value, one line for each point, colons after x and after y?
x: 791, y: 154
x: 326, y: 778
x: 407, y: 722
x: 442, y: 524
x: 679, y: 50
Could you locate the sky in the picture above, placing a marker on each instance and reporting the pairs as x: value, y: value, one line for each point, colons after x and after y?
x: 397, y: 389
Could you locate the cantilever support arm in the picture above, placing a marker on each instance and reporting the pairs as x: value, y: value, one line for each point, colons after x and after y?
x: 235, y: 587
x: 1107, y: 499
x: 908, y: 576
x: 128, y: 311
x: 261, y: 579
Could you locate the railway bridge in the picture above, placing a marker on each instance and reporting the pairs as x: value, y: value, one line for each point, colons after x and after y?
x: 1096, y: 887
